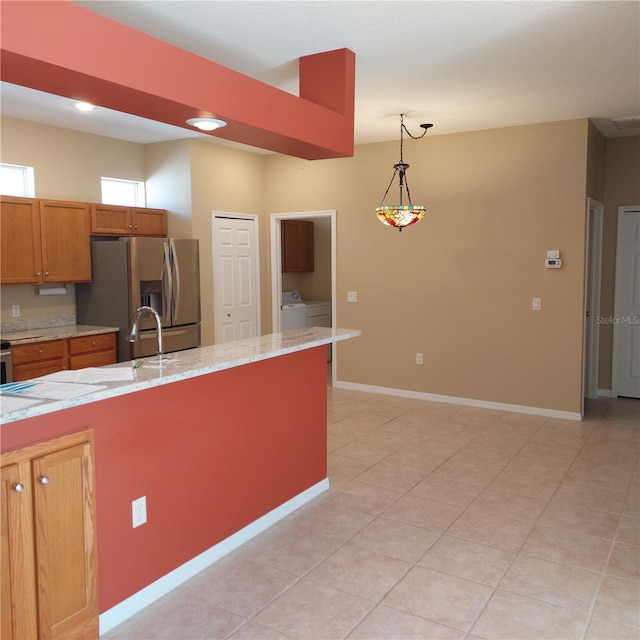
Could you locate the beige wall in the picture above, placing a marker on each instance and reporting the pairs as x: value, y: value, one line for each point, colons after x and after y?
x: 168, y: 183
x: 622, y: 187
x: 224, y: 179
x: 457, y: 287
x: 68, y: 166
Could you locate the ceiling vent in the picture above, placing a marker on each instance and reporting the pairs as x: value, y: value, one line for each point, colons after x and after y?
x: 632, y: 122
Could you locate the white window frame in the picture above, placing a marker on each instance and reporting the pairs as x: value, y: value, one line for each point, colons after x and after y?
x: 24, y: 182
x: 135, y: 198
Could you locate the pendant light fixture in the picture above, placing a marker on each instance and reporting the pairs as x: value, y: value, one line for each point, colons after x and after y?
x: 402, y: 215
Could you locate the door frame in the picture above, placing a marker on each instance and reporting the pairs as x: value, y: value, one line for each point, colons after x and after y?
x: 592, y: 285
x: 617, y: 312
x: 236, y: 216
x: 276, y: 267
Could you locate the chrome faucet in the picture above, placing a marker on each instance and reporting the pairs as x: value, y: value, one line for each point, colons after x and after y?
x: 133, y: 331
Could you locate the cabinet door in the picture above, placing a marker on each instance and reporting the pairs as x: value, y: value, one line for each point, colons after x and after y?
x: 65, y: 535
x: 111, y: 220
x: 65, y: 230
x: 297, y: 246
x: 39, y: 358
x: 305, y: 231
x: 18, y: 589
x: 149, y: 222
x: 20, y: 248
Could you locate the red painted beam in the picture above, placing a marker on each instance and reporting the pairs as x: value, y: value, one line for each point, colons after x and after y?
x: 61, y: 48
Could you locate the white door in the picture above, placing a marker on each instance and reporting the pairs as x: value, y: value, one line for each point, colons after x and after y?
x: 235, y: 277
x: 626, y: 329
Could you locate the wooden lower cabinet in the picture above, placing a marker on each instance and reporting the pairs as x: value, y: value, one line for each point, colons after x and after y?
x: 92, y: 351
x: 49, y: 554
x: 40, y: 358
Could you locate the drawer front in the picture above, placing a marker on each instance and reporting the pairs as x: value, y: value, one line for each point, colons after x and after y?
x: 37, y: 369
x: 39, y: 351
x: 99, y: 359
x: 89, y: 344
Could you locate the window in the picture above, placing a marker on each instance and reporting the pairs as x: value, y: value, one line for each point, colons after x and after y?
x: 128, y: 193
x: 16, y: 180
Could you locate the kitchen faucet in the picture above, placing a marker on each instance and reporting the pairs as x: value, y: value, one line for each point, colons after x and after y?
x: 133, y: 331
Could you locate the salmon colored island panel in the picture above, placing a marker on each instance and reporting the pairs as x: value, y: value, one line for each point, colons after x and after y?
x: 67, y: 50
x: 211, y: 454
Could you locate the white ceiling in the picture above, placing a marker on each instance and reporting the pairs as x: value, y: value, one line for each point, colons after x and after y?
x: 462, y: 65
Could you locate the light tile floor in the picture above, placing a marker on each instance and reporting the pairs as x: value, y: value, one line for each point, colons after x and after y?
x: 442, y: 522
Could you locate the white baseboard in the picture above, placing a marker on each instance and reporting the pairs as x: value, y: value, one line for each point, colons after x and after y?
x: 468, y: 402
x: 143, y: 598
x: 605, y: 393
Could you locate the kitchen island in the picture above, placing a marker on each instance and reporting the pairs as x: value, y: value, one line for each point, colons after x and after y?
x: 222, y: 441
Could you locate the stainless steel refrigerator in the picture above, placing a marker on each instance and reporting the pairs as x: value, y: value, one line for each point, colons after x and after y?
x: 128, y: 273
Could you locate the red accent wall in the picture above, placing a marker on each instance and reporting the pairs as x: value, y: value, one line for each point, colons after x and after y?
x: 211, y: 454
x: 67, y: 50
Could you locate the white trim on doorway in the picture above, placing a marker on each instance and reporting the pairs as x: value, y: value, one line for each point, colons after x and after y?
x: 619, y: 300
x: 276, y: 268
x: 592, y: 284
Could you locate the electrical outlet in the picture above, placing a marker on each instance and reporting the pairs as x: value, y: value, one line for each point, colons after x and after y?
x: 139, y: 512
x: 536, y: 304
x: 15, y: 310
x: 352, y: 296
x: 419, y: 359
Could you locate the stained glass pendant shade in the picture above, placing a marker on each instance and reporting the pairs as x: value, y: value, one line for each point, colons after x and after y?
x: 402, y: 215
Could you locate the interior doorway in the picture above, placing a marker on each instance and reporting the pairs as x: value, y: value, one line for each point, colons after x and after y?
x: 236, y: 276
x: 326, y: 236
x: 626, y: 320
x: 593, y: 278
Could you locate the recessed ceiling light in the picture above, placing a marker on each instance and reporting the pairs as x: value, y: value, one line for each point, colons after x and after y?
x: 85, y: 106
x: 632, y: 122
x: 206, y: 124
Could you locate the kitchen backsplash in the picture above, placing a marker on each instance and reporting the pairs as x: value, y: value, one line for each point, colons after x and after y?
x: 36, y: 322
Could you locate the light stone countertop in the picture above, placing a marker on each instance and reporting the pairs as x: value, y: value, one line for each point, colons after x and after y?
x: 187, y: 364
x: 54, y: 333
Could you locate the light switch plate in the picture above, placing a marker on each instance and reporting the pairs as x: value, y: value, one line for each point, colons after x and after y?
x: 352, y: 296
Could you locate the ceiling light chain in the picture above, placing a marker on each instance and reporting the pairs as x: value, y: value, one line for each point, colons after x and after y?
x: 402, y: 215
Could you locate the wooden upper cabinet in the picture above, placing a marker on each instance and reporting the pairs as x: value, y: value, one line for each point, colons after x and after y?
x: 66, y: 250
x: 112, y: 220
x: 20, y: 245
x: 297, y: 246
x: 44, y: 241
x: 149, y: 222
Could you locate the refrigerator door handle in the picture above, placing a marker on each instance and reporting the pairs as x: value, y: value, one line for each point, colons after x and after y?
x: 167, y: 283
x: 176, y: 298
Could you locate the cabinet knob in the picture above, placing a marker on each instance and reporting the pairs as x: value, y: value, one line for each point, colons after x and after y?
x: 46, y: 273
x: 93, y: 343
x: 136, y: 226
x: 129, y: 226
x: 43, y: 480
x: 40, y: 351
x: 18, y: 487
x: 38, y: 273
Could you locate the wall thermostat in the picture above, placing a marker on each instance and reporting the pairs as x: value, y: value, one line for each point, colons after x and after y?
x: 553, y: 260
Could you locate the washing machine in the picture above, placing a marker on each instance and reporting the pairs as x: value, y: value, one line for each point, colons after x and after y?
x: 293, y: 314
